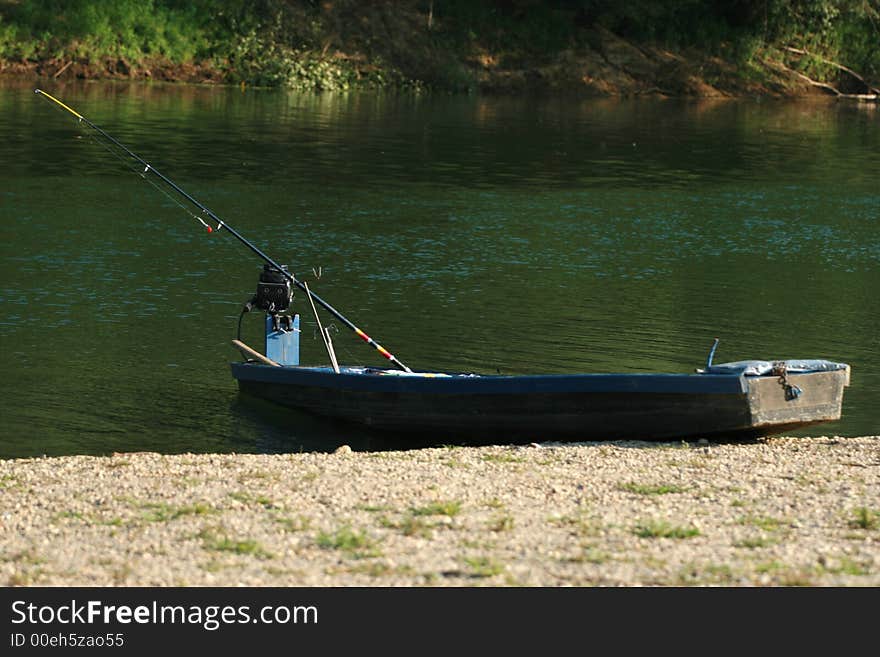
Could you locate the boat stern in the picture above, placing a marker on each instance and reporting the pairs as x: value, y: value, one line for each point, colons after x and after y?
x: 791, y: 400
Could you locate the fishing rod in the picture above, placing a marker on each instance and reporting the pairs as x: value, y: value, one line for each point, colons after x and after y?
x: 148, y: 168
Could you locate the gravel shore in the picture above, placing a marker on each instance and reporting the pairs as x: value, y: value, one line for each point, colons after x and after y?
x: 779, y: 512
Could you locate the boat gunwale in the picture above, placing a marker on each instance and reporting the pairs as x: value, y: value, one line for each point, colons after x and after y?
x: 365, y: 379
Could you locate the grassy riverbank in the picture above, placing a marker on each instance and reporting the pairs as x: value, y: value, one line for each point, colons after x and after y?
x: 589, y: 47
x: 782, y: 512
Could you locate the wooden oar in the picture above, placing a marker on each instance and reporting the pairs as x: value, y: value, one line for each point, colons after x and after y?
x: 256, y: 355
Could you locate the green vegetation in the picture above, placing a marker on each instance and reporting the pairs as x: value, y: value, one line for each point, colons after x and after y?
x: 269, y: 43
x: 247, y: 546
x: 372, y: 569
x: 483, y: 566
x: 501, y: 523
x: 161, y: 512
x: 356, y: 543
x: 864, y: 518
x: 755, y: 542
x: 222, y: 543
x: 767, y: 523
x: 408, y: 526
x: 177, y: 30
x: 651, y: 489
x: 438, y: 509
x: 579, y: 523
x: 662, y: 529
x: 806, y: 576
x: 298, y: 523
x: 69, y: 515
x: 844, y: 566
x: 444, y: 44
x: 413, y: 526
x: 503, y: 458
x: 246, y: 498
x: 590, y: 554
x: 769, y: 567
x: 373, y: 508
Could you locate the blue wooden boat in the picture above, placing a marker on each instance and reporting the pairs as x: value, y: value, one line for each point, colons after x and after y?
x: 743, y: 399
x: 732, y: 400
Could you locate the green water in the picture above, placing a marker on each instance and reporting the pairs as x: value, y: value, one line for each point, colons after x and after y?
x: 467, y: 233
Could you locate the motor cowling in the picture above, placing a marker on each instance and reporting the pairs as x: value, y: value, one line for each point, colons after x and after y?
x: 274, y: 291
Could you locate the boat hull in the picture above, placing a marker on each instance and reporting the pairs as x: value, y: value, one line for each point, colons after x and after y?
x: 476, y: 408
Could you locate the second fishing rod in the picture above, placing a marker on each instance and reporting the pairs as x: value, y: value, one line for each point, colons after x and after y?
x: 207, y: 212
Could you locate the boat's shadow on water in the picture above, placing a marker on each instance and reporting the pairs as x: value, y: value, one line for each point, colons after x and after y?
x: 279, y: 430
x: 284, y: 430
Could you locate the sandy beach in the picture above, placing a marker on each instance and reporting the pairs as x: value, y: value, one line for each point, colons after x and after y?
x: 777, y: 512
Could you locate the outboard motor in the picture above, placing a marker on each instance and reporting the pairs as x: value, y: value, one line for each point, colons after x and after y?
x: 274, y: 292
x: 274, y: 296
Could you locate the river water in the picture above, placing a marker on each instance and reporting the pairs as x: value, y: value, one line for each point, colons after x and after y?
x: 521, y: 235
